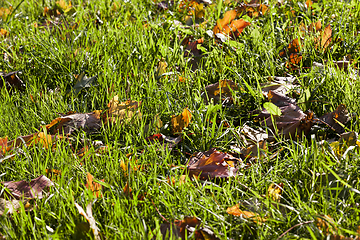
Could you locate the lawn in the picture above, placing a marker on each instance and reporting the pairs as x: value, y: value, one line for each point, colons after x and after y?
x: 151, y: 119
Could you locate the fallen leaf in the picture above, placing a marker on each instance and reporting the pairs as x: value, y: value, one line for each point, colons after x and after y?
x: 292, y: 122
x: 3, y: 32
x: 213, y: 164
x: 190, y: 226
x: 191, y: 48
x: 221, y: 90
x: 84, y: 82
x: 336, y: 119
x: 29, y: 190
x: 90, y: 219
x: 122, y: 112
x: 181, y: 121
x: 67, y: 124
x: 11, y: 205
x: 324, y: 40
x: 4, y: 12
x: 12, y: 81
x: 94, y: 187
x: 236, y: 211
x: 292, y: 53
x: 163, y: 141
x: 53, y: 174
x: 279, y: 85
x: 229, y: 26
x: 274, y: 191
x: 346, y: 141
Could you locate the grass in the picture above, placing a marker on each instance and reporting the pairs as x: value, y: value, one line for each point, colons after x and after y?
x: 123, y: 42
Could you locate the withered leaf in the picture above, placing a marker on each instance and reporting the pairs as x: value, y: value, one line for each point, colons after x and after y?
x: 181, y: 121
x: 222, y: 89
x: 89, y: 122
x: 94, y: 187
x: 332, y: 119
x: 292, y: 122
x: 274, y: 191
x: 236, y: 211
x: 12, y: 81
x: 122, y: 112
x: 30, y: 190
x: 185, y: 228
x: 229, y: 26
x: 213, y: 164
x: 90, y: 218
x: 163, y: 141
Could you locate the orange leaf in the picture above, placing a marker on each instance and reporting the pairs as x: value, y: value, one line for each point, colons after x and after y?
x: 236, y: 211
x: 94, y: 187
x: 3, y: 32
x: 123, y: 111
x: 181, y: 121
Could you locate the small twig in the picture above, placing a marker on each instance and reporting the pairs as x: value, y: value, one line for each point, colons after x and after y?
x: 158, y: 211
x: 300, y: 224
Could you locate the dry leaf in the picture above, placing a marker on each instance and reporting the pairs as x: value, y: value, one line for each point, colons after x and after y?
x: 12, y: 81
x: 292, y: 122
x: 213, y: 164
x: 89, y: 217
x: 94, y: 187
x: 181, y: 121
x: 236, y: 211
x: 274, y: 191
x: 29, y: 190
x: 122, y: 112
x: 340, y: 115
x: 185, y: 228
x: 223, y: 89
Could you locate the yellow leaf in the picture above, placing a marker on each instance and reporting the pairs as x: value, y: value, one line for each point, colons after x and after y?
x: 274, y: 191
x: 181, y: 121
x: 122, y: 112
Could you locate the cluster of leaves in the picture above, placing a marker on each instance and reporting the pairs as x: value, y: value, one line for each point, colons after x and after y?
x: 196, y: 102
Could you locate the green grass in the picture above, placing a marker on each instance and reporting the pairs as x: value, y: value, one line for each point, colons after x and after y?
x: 125, y: 55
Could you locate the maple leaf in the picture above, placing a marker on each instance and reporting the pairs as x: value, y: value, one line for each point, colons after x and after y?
x: 213, y: 164
x: 181, y: 121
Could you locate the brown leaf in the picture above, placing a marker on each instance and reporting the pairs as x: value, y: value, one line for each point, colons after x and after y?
x: 94, y: 187
x: 339, y: 115
x: 163, y: 141
x: 24, y: 189
x: 181, y: 121
x: 122, y: 112
x: 191, y: 48
x: 3, y: 32
x: 11, y: 205
x: 185, y: 228
x: 292, y: 122
x: 292, y: 52
x: 213, y: 164
x: 67, y: 124
x: 324, y: 40
x: 89, y: 217
x: 12, y: 81
x: 223, y: 89
x: 236, y: 211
